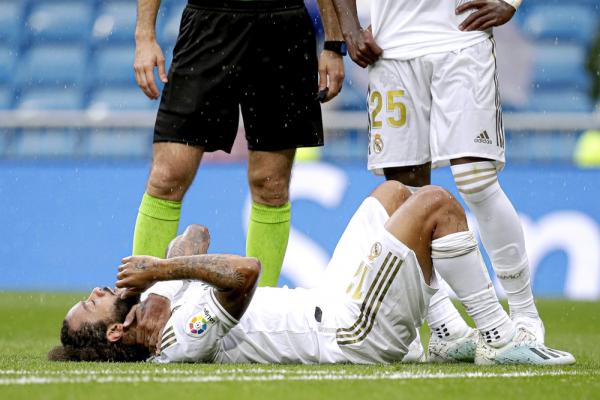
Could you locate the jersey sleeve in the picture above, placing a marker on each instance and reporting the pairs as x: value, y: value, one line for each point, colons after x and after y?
x: 195, y: 329
x: 167, y: 289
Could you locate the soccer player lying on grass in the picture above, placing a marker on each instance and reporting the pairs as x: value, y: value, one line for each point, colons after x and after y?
x: 378, y: 286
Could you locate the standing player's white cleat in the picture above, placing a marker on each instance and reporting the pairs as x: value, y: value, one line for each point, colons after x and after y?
x: 534, y: 325
x: 461, y: 349
x: 522, y: 349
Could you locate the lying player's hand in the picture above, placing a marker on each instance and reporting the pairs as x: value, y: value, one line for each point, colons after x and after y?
x: 362, y: 47
x: 150, y: 317
x: 331, y: 74
x: 147, y: 56
x: 488, y: 13
x: 139, y: 272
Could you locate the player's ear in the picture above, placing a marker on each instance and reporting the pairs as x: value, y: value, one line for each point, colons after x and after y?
x: 114, y: 333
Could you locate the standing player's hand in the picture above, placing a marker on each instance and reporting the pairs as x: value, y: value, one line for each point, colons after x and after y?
x: 331, y: 74
x: 362, y: 47
x: 150, y: 317
x: 487, y: 14
x: 147, y: 56
x: 138, y: 273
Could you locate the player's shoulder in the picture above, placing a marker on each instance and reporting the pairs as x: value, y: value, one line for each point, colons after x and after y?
x: 194, y: 330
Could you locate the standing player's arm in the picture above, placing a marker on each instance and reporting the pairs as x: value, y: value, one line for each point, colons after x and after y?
x: 331, y: 64
x: 234, y: 277
x: 147, y: 51
x: 361, y: 45
x: 487, y: 13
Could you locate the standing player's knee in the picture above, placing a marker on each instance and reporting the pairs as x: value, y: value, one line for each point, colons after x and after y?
x: 169, y: 181
x: 269, y: 188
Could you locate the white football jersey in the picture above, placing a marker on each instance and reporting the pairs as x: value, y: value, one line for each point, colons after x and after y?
x: 407, y: 29
x: 281, y: 325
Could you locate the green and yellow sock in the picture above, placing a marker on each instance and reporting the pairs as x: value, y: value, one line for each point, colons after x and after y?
x: 268, y: 234
x: 156, y: 225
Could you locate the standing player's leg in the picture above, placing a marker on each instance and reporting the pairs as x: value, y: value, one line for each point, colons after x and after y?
x: 198, y: 112
x: 174, y: 166
x: 502, y: 236
x: 269, y: 225
x: 467, y: 130
x: 281, y: 113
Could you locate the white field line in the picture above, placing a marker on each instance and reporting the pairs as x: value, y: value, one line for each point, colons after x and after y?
x: 333, y: 375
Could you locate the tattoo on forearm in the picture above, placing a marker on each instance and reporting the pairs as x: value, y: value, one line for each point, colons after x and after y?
x: 216, y: 270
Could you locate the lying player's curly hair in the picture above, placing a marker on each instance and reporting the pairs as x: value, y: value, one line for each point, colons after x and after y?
x: 89, y: 342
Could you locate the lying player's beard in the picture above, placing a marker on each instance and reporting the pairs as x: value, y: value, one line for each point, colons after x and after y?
x: 123, y: 306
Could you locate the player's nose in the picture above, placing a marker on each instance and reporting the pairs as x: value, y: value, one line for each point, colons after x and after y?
x: 96, y: 292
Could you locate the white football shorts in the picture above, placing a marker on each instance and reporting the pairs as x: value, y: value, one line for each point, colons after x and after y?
x: 384, y: 293
x: 435, y: 108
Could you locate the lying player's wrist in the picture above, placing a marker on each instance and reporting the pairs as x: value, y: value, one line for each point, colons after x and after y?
x: 514, y: 3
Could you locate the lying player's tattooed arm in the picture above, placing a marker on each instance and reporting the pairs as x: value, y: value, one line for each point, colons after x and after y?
x: 233, y: 276
x: 151, y: 316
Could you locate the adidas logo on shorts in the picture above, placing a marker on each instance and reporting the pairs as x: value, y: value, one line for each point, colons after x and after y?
x: 483, y: 138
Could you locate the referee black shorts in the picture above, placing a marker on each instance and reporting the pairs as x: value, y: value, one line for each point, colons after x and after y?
x: 257, y: 55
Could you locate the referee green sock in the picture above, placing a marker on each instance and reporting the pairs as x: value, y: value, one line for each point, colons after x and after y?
x: 156, y: 226
x: 268, y: 233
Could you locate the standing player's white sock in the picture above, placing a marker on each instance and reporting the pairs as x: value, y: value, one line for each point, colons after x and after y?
x: 501, y: 232
x: 443, y: 318
x: 456, y: 258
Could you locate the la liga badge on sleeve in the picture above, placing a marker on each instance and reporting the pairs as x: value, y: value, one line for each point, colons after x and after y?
x: 199, y: 323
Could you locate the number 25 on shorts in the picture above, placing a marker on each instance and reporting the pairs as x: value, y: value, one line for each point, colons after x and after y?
x: 395, y: 109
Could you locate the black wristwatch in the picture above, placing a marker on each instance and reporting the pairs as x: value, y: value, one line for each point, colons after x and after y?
x: 337, y: 46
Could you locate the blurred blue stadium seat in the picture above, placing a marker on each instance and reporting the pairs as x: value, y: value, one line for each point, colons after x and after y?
x: 560, y: 66
x: 115, y: 22
x: 170, y: 28
x: 563, y: 23
x: 51, y: 99
x: 116, y: 99
x: 60, y: 21
x: 11, y: 20
x: 6, y: 98
x: 113, y: 65
x: 8, y: 58
x: 560, y: 101
x: 117, y: 143
x: 53, y: 65
x: 34, y: 143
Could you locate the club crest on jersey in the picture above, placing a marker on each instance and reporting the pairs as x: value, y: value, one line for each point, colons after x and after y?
x: 375, y: 251
x: 377, y: 143
x: 198, y: 324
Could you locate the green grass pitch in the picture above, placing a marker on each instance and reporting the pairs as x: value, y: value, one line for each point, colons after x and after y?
x: 30, y: 323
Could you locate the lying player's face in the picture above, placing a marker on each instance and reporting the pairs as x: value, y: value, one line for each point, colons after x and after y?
x: 99, y: 306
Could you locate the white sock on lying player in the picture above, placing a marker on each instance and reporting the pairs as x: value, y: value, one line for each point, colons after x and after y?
x: 456, y: 258
x: 501, y: 233
x: 443, y: 318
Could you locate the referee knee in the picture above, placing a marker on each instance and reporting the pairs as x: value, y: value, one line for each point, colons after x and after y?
x: 269, y: 189
x: 169, y: 183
